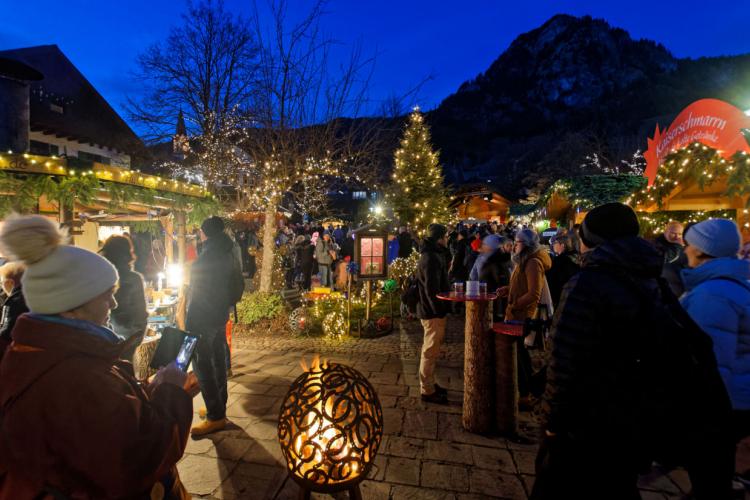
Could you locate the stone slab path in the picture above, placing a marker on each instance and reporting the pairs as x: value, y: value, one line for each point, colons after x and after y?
x: 425, y: 454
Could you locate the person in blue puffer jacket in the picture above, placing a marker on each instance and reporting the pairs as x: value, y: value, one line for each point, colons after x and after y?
x: 717, y: 297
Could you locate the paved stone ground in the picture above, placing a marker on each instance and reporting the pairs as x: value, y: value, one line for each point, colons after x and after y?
x: 425, y: 454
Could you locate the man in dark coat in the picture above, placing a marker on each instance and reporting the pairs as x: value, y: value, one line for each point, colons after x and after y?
x: 599, y: 420
x: 208, y: 308
x: 405, y: 243
x: 432, y: 278
x: 458, y: 271
x: 671, y: 245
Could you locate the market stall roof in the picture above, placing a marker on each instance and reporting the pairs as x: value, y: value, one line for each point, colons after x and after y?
x: 480, y: 201
x: 87, y: 116
x: 98, y: 190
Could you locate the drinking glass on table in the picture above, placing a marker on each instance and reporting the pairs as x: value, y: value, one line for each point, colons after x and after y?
x: 482, y: 288
x: 458, y: 288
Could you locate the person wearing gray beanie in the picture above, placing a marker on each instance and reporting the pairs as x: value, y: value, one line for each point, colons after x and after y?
x: 713, y: 238
x: 717, y: 297
x: 63, y: 383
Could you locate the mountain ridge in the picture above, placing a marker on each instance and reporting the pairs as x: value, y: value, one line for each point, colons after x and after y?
x: 572, y: 87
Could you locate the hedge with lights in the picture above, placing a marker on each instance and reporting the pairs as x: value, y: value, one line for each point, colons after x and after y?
x: 589, y: 191
x: 700, y: 164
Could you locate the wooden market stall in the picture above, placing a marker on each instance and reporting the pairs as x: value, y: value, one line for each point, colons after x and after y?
x: 481, y: 202
x: 88, y: 198
x: 700, y: 166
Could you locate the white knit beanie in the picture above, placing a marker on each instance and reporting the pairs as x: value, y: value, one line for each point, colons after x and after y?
x: 58, y: 277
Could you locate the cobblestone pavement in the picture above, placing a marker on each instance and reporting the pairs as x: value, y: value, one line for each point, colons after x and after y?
x: 425, y: 454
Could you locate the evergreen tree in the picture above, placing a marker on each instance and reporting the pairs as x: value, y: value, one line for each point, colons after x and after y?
x: 418, y: 194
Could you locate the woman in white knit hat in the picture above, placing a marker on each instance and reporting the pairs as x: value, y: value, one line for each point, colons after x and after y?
x: 75, y: 422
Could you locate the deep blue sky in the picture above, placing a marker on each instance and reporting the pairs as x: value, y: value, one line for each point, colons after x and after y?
x: 450, y: 40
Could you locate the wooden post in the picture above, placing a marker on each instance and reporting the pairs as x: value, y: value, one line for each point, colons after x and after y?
x: 506, y: 384
x: 181, y: 236
x: 743, y: 218
x: 478, y: 368
x: 168, y: 223
x: 368, y: 300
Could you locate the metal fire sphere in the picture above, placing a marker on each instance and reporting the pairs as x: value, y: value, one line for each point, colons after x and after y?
x: 330, y: 428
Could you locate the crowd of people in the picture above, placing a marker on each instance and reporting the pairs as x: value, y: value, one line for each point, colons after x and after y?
x: 649, y: 359
x: 636, y: 373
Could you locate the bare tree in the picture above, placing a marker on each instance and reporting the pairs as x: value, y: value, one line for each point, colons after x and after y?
x: 302, y: 140
x: 205, y: 69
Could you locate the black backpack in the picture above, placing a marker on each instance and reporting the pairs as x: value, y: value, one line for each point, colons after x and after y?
x: 685, y: 405
x: 236, y: 282
x: 410, y: 296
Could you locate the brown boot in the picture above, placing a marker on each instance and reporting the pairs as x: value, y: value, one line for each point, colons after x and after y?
x: 208, y: 427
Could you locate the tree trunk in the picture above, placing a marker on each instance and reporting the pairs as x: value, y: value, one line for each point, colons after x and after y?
x: 478, y: 368
x: 269, y: 246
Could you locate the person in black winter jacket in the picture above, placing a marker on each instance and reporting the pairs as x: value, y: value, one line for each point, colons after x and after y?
x: 671, y: 245
x: 305, y: 253
x: 432, y: 279
x: 458, y: 271
x: 209, y: 303
x: 405, y: 243
x: 565, y: 265
x: 597, y: 422
x: 129, y: 319
x: 494, y: 267
x: 14, y: 305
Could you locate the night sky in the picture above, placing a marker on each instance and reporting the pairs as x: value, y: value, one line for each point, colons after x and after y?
x: 452, y: 41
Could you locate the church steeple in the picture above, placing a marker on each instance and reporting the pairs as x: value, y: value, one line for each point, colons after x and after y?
x: 181, y: 129
x: 180, y: 142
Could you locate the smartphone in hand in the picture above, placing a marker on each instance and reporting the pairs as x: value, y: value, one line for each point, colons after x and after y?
x: 186, y: 352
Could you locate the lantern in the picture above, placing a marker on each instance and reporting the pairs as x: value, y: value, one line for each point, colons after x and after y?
x: 370, y: 253
x: 330, y: 428
x: 298, y: 323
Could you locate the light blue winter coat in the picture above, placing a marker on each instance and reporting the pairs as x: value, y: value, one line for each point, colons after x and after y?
x: 722, y: 308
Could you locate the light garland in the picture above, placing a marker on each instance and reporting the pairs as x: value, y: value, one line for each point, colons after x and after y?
x: 701, y: 164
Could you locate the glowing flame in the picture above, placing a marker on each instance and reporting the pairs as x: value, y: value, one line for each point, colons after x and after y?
x: 317, y: 364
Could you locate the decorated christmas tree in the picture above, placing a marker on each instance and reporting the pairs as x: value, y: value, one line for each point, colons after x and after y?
x: 418, y: 194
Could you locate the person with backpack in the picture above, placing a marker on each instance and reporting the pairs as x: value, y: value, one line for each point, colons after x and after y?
x: 718, y: 299
x: 631, y: 380
x: 216, y: 284
x: 432, y: 279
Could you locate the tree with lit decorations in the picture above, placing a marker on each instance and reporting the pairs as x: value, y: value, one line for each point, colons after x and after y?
x: 418, y: 194
x: 300, y: 145
x: 202, y: 76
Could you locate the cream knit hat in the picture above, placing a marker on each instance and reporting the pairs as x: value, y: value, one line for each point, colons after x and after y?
x: 58, y: 277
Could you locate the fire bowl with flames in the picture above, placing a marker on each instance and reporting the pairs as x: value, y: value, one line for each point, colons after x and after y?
x: 330, y: 428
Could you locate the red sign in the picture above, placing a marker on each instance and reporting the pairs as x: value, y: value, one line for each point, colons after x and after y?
x: 711, y: 122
